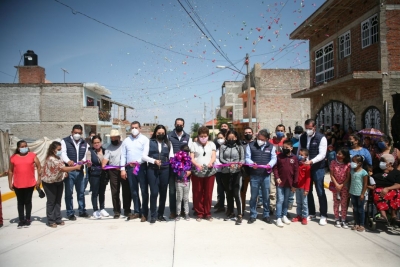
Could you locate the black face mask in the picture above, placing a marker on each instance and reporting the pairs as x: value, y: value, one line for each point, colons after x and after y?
x: 223, y: 131
x: 248, y: 137
x: 178, y: 128
x: 115, y: 142
x: 350, y: 144
x: 160, y: 137
x: 230, y: 142
x: 286, y: 151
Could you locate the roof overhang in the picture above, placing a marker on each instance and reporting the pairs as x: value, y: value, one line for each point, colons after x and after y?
x: 343, y: 82
x: 115, y: 102
x: 97, y: 88
x: 323, y: 17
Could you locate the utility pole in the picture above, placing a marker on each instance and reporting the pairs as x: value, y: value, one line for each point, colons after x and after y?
x: 65, y: 71
x: 212, y: 114
x: 249, y: 98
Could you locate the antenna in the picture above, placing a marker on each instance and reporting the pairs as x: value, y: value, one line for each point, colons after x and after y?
x: 65, y: 71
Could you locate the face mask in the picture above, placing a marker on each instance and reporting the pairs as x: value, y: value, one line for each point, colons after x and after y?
x: 179, y: 129
x: 115, y: 142
x: 160, y: 137
x: 260, y: 143
x: 353, y: 165
x: 297, y: 136
x: 223, y: 131
x: 381, y: 145
x: 221, y: 141
x: 382, y: 165
x: 248, y: 137
x: 135, y: 132
x: 286, y: 151
x: 203, y: 140
x: 58, y: 153
x: 23, y: 150
x: 76, y: 137
x: 309, y: 132
x: 231, y: 142
x: 280, y: 134
x: 350, y: 144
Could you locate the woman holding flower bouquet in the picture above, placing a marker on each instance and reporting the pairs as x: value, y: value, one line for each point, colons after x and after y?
x: 157, y: 155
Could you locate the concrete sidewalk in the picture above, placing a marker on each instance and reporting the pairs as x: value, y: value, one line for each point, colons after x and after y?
x: 107, y: 242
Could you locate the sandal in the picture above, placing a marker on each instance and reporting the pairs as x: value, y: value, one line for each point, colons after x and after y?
x: 61, y: 223
x: 209, y: 218
x: 198, y: 219
x: 52, y: 225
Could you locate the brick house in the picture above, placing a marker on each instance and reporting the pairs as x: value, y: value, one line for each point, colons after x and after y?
x: 354, y: 62
x: 35, y: 107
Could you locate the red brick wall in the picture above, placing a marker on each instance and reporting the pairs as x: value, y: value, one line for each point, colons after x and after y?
x: 31, y: 74
x: 393, y: 39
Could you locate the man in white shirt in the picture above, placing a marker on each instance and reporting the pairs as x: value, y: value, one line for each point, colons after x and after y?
x: 132, y: 152
x: 316, y: 144
x: 73, y: 151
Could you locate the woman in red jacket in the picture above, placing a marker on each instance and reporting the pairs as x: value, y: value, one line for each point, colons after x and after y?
x: 21, y: 179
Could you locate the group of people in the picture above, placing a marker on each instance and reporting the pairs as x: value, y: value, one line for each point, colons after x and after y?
x: 278, y: 169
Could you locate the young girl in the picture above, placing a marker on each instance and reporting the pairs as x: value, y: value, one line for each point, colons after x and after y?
x: 359, y: 178
x: 340, y: 175
x: 182, y: 180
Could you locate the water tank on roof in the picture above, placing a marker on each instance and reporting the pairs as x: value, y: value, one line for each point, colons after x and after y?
x: 30, y: 58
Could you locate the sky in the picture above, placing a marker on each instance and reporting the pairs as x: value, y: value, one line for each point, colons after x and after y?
x: 150, y: 54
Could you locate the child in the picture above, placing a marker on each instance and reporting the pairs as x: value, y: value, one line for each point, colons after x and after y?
x: 286, y: 174
x: 182, y: 180
x: 340, y: 176
x: 359, y: 178
x: 330, y: 155
x: 302, y: 187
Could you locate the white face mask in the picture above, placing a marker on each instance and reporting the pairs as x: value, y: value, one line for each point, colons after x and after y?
x: 221, y: 141
x: 309, y: 132
x: 297, y: 136
x: 260, y: 143
x: 58, y: 153
x: 76, y: 137
x: 353, y: 165
x: 382, y: 165
x: 135, y: 132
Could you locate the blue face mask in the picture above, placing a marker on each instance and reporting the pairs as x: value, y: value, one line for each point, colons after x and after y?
x: 280, y: 134
x: 23, y: 150
x: 58, y: 153
x: 381, y: 145
x: 300, y: 158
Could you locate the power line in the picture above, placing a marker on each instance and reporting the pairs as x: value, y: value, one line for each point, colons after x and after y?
x: 7, y: 74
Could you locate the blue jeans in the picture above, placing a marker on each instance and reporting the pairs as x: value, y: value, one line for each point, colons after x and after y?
x: 282, y: 201
x: 98, y: 192
x: 260, y: 198
x: 317, y: 176
x: 302, y: 206
x: 358, y: 210
x: 134, y: 182
x: 158, y: 182
x: 255, y: 183
x: 291, y: 198
x: 75, y: 178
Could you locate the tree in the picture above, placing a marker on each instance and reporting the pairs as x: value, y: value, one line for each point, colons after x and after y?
x: 221, y: 120
x: 195, y: 127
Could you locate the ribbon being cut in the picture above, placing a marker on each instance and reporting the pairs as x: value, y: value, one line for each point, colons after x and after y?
x: 135, y: 170
x: 181, y: 163
x: 267, y: 167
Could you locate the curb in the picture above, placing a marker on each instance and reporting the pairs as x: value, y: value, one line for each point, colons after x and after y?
x: 9, y: 195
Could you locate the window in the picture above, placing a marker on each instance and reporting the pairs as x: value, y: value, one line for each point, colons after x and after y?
x: 324, y: 63
x: 369, y: 31
x: 372, y: 118
x: 245, y: 104
x: 89, y: 101
x: 344, y: 45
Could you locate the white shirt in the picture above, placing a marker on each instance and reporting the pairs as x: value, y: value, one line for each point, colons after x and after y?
x: 132, y: 149
x: 199, y: 150
x: 64, y: 156
x: 146, y: 157
x: 323, y: 145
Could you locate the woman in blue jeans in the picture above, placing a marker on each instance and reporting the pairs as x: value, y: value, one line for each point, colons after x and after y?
x: 98, y: 186
x: 157, y: 154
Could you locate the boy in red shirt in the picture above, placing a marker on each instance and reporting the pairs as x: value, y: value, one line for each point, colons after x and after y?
x: 302, y: 187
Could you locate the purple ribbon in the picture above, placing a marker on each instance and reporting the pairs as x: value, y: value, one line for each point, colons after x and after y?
x: 267, y: 167
x: 135, y: 170
x: 82, y: 162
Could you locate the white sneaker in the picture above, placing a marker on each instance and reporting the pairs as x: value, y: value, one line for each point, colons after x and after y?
x: 322, y: 221
x: 338, y: 224
x: 104, y: 213
x: 311, y: 217
x: 279, y: 222
x: 285, y: 220
x: 96, y: 214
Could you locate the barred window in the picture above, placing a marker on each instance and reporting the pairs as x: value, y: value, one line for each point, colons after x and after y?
x: 344, y: 45
x: 324, y: 69
x: 369, y: 31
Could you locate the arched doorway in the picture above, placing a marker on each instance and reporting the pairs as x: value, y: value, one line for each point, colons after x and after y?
x: 372, y: 118
x: 336, y: 112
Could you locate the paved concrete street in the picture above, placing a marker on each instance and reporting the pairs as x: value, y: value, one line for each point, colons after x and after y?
x: 110, y: 242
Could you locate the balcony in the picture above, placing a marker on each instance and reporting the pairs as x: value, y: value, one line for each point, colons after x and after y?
x: 104, y: 115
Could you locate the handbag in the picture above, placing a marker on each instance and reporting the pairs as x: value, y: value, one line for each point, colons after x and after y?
x: 40, y: 192
x: 204, y: 172
x: 104, y: 177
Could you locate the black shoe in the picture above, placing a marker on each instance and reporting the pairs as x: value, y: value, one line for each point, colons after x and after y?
x: 267, y: 220
x: 239, y: 220
x: 72, y: 218
x: 251, y: 220
x: 84, y: 215
x: 21, y: 224
x: 217, y: 206
x: 27, y: 223
x: 116, y: 216
x: 161, y: 219
x: 153, y: 220
x: 127, y: 214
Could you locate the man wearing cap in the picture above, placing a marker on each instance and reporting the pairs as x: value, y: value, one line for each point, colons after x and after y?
x: 298, y: 130
x: 112, y: 156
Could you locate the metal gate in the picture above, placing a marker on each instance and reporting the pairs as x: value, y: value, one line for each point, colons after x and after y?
x: 336, y: 112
